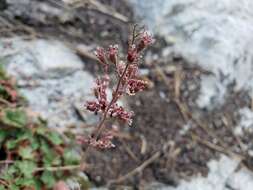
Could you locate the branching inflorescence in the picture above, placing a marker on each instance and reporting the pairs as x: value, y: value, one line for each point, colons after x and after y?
x: 128, y: 82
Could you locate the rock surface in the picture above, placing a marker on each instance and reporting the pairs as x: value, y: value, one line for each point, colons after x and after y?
x: 51, y: 78
x: 215, y: 34
x: 222, y: 176
x: 36, y: 12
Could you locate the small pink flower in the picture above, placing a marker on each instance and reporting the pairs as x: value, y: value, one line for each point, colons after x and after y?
x: 113, y: 53
x: 132, y: 54
x: 92, y: 106
x: 100, y: 54
x: 132, y: 71
x: 135, y: 85
x: 146, y: 40
x: 104, y: 142
x: 100, y: 91
x: 121, y: 67
x: 100, y: 94
x: 119, y: 112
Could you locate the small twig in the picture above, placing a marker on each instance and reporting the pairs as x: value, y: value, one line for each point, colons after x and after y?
x: 82, y: 51
x: 129, y: 151
x: 143, y: 144
x: 182, y: 109
x: 140, y: 168
x: 217, y: 147
x: 122, y: 135
x: 133, y: 34
x: 6, y: 161
x: 208, y: 144
x: 3, y: 182
x: 108, y: 11
x: 177, y: 82
x: 16, y: 25
x: 62, y: 168
x: 207, y: 130
x: 227, y: 124
x: 57, y: 168
x: 5, y: 102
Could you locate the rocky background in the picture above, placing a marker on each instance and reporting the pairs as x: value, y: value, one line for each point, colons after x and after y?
x: 193, y: 126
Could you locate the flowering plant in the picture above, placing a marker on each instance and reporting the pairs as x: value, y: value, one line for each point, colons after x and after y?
x: 128, y: 82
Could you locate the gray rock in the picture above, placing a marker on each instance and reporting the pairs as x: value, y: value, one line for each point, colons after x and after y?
x: 55, y: 99
x: 222, y: 176
x: 77, y: 181
x: 216, y: 34
x: 51, y: 78
x: 35, y: 11
x: 39, y: 58
x: 158, y: 186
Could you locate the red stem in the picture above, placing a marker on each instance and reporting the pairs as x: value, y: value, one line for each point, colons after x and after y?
x: 101, y: 125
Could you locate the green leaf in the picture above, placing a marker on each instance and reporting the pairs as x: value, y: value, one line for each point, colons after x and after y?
x: 2, y: 187
x: 28, y: 182
x: 26, y: 153
x: 41, y: 130
x: 3, y: 135
x: 59, y: 174
x: 11, y: 144
x: 14, y: 117
x: 48, y: 154
x: 54, y: 137
x: 42, y: 122
x: 71, y: 157
x: 14, y: 187
x: 8, y: 175
x: 26, y: 168
x: 25, y: 134
x: 11, y: 171
x: 34, y: 143
x: 56, y: 161
x: 20, y: 135
x: 3, y: 75
x: 4, y: 94
x: 48, y: 179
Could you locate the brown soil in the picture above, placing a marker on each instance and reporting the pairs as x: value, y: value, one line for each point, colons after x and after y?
x: 158, y: 120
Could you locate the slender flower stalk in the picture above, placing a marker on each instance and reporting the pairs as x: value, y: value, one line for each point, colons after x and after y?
x: 114, y: 99
x: 128, y: 83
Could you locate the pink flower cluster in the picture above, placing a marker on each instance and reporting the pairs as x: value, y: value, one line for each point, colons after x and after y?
x: 120, y: 113
x: 100, y: 93
x: 104, y: 141
x: 128, y: 82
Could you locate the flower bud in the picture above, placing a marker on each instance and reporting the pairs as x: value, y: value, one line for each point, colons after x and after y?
x: 113, y: 53
x: 132, y: 54
x: 146, y: 40
x: 135, y: 85
x: 92, y: 106
x: 100, y: 54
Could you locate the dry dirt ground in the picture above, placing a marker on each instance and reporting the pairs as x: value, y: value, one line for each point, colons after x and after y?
x: 193, y: 136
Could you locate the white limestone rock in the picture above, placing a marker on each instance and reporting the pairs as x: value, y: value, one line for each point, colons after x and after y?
x: 52, y: 79
x: 216, y: 34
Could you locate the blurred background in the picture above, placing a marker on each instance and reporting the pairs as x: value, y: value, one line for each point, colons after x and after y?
x: 193, y: 126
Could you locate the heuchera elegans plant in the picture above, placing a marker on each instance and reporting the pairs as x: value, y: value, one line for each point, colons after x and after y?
x: 128, y: 83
